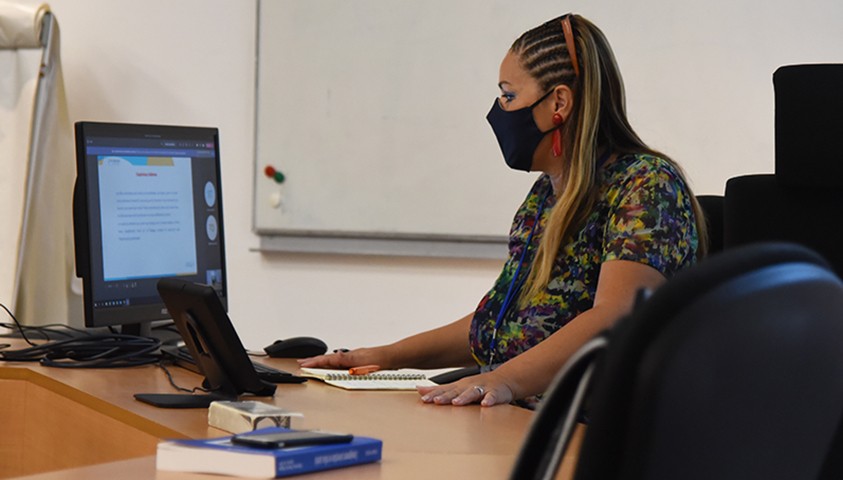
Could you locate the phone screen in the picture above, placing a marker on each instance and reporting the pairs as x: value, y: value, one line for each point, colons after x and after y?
x: 290, y: 439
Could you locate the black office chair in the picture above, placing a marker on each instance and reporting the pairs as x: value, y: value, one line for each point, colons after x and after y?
x: 802, y: 201
x: 761, y: 208
x: 712, y: 207
x: 731, y: 370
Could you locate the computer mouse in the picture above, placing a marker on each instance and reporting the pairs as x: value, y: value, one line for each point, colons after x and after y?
x: 296, y: 347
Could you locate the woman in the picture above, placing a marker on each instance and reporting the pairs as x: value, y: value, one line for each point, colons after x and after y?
x: 609, y: 216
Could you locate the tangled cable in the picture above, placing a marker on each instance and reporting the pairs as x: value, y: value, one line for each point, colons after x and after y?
x: 110, y: 350
x: 92, y: 351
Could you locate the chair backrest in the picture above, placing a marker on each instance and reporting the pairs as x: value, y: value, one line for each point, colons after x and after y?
x: 712, y: 207
x: 732, y: 370
x: 759, y: 208
x: 802, y: 200
x: 809, y: 99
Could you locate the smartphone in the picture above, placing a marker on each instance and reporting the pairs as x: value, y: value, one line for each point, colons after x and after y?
x: 290, y: 439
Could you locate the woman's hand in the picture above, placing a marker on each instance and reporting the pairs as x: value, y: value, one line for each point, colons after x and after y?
x: 487, y: 389
x: 346, y: 359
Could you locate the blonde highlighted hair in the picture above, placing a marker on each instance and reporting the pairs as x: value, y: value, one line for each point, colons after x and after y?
x: 598, y: 121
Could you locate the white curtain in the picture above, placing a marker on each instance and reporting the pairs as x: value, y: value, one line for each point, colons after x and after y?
x: 37, y: 280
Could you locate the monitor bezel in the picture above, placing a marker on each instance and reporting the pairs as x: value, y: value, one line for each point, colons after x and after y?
x: 131, y: 318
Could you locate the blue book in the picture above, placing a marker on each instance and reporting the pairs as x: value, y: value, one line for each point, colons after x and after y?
x: 220, y: 456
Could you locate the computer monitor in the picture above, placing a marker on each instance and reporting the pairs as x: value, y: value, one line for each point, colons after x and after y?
x: 147, y: 206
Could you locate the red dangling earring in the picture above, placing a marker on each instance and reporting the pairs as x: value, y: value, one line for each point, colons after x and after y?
x: 557, y: 136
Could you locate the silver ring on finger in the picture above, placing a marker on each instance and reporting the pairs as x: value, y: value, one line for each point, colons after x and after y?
x: 480, y: 390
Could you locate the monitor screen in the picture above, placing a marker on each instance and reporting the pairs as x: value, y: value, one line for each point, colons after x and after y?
x: 147, y: 205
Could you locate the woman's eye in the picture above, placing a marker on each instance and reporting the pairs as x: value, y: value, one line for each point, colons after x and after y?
x: 507, y: 97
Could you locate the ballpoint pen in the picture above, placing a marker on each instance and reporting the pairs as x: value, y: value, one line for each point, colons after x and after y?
x: 363, y: 370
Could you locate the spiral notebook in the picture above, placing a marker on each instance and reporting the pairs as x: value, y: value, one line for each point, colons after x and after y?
x: 404, y: 379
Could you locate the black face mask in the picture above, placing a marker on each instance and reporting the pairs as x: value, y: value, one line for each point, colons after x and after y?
x: 517, y: 133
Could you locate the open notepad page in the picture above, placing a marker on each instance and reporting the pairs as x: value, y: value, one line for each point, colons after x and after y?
x: 404, y: 379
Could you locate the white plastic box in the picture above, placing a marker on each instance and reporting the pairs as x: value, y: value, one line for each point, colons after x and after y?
x: 245, y: 416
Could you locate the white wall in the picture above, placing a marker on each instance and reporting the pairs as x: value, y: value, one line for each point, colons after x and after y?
x: 192, y: 62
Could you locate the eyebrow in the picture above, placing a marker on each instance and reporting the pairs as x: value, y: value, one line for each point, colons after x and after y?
x: 501, y: 84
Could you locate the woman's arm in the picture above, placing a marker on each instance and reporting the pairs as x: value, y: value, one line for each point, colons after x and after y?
x: 445, y: 346
x: 531, y: 372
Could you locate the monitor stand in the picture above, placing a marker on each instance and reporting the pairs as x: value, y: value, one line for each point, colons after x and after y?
x: 142, y: 329
x: 167, y: 336
x: 182, y: 400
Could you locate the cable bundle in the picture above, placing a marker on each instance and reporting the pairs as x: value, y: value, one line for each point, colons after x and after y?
x: 92, y: 351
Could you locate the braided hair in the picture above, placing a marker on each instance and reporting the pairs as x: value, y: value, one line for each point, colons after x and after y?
x: 597, y: 121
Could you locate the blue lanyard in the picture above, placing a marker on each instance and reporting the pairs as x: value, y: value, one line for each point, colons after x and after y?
x: 515, y: 285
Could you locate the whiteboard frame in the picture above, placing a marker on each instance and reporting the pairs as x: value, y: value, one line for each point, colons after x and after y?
x: 494, y: 248
x: 361, y: 242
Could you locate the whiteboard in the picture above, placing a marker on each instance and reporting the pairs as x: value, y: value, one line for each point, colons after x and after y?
x: 374, y: 110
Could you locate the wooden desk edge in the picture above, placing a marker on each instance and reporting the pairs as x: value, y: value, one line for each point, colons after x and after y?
x: 110, y: 410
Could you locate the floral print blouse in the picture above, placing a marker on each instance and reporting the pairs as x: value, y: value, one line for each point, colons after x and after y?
x: 642, y: 213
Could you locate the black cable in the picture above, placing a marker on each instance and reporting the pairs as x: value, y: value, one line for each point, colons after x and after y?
x: 18, y: 324
x: 43, y: 330
x: 169, y: 327
x: 92, y: 351
x: 55, y: 329
x: 88, y: 351
x: 176, y: 386
x: 17, y: 330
